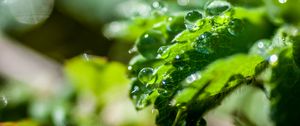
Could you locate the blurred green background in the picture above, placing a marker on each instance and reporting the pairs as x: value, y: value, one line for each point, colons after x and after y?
x: 58, y: 67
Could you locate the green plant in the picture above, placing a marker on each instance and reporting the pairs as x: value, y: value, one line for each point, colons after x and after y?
x: 188, y: 62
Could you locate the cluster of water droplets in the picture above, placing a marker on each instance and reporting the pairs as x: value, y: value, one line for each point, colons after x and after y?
x: 153, y: 45
x: 139, y: 94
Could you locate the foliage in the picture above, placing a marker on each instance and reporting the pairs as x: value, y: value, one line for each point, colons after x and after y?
x: 188, y: 62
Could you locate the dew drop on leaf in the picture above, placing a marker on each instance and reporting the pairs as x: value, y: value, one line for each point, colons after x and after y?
x: 235, y: 27
x: 162, y: 52
x: 149, y: 43
x: 142, y: 103
x: 192, y: 78
x: 178, y: 61
x: 273, y: 59
x: 167, y: 83
x: 135, y: 89
x: 176, y: 25
x: 261, y: 47
x: 158, y: 5
x: 282, y: 1
x: 86, y: 57
x: 129, y: 68
x: 146, y: 75
x: 191, y: 18
x: 132, y: 50
x: 217, y: 7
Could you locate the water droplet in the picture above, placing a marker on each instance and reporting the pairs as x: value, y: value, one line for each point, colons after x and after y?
x: 167, y: 83
x: 135, y: 89
x: 217, y: 7
x: 193, y: 16
x: 261, y: 47
x: 3, y: 102
x: 282, y: 1
x: 178, y: 61
x: 273, y: 59
x: 173, y: 102
x: 158, y: 5
x: 191, y: 19
x: 203, y: 43
x: 175, y: 25
x: 142, y: 102
x: 183, y: 2
x: 129, y: 68
x: 162, y: 52
x: 192, y: 78
x: 146, y: 76
x: 86, y: 57
x: 181, y: 61
x: 154, y: 111
x: 132, y: 50
x: 149, y: 43
x: 235, y: 27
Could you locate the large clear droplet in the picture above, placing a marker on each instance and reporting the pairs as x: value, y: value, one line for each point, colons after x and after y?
x: 146, y: 75
x: 191, y: 18
x: 217, y: 7
x: 235, y: 27
x: 149, y: 43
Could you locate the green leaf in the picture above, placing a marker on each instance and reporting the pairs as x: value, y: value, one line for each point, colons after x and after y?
x: 214, y: 84
x: 159, y: 69
x: 285, y: 77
